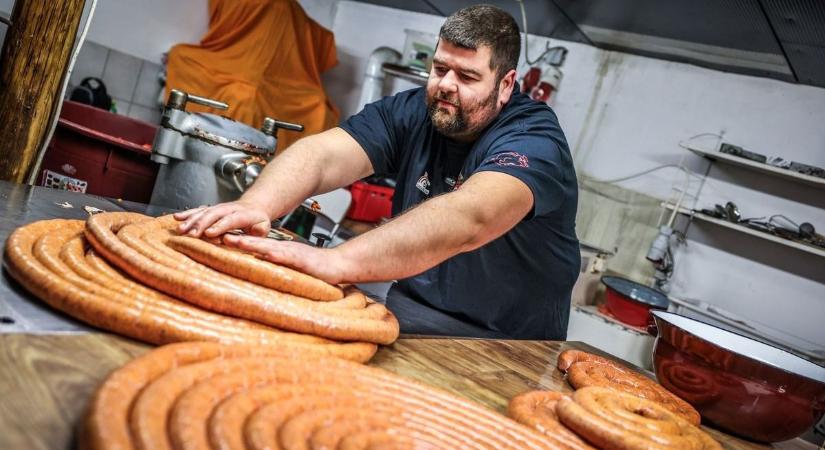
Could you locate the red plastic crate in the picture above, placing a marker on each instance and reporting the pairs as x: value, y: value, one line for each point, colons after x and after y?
x: 370, y: 203
x: 100, y: 153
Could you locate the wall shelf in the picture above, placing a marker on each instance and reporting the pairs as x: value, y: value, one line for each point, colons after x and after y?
x: 759, y: 167
x: 743, y: 229
x: 413, y: 74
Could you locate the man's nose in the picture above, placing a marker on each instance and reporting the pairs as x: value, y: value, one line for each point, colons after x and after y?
x: 448, y: 82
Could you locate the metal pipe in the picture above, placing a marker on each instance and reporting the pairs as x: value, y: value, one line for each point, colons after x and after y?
x: 374, y: 76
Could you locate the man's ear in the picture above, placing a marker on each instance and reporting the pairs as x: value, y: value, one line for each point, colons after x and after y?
x: 505, y: 87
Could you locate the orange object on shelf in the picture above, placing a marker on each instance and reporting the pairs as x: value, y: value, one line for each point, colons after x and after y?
x: 264, y: 58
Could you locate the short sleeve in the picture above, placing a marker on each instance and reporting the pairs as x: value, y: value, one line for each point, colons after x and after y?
x: 380, y: 129
x: 538, y: 160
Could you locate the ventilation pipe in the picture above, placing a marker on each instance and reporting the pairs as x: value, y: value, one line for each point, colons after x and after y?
x: 373, y: 77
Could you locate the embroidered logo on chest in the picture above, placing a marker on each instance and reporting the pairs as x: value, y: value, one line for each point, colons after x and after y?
x: 423, y: 184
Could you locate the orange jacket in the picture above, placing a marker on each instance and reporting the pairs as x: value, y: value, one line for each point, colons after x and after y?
x: 264, y: 58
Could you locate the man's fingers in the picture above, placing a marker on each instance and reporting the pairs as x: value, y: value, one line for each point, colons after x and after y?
x: 196, y: 224
x: 249, y: 243
x: 260, y: 229
x: 183, y: 215
x: 274, y: 251
x: 301, y: 257
x: 245, y: 220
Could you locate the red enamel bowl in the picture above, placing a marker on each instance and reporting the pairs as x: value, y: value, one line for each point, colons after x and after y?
x: 631, y: 302
x: 737, y: 384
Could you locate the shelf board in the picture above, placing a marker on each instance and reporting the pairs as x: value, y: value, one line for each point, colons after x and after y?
x: 741, y: 228
x: 759, y: 167
x: 413, y: 74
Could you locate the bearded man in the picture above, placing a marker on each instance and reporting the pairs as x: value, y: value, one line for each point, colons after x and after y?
x: 483, y: 238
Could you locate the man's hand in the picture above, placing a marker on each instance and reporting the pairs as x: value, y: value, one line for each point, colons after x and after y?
x: 216, y: 220
x: 322, y: 263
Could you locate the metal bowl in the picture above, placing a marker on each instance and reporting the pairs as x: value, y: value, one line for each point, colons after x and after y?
x: 740, y: 385
x: 631, y: 302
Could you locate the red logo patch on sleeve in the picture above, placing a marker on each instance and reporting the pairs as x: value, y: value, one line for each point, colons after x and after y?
x: 513, y: 159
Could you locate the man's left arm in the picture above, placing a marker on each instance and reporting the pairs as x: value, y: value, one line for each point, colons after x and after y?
x: 486, y: 206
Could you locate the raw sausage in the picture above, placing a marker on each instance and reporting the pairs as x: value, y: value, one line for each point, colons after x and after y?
x: 590, y: 373
x: 186, y: 395
x: 537, y: 409
x: 247, y: 267
x: 220, y: 293
x: 610, y: 419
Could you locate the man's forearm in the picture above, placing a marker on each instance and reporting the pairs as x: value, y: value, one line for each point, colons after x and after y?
x: 313, y: 165
x: 409, y: 244
x: 287, y: 180
x: 487, y: 206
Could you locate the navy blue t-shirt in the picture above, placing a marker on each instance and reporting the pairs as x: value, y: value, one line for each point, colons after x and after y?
x: 520, y: 283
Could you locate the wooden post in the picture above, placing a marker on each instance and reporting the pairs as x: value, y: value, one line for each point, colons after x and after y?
x: 35, y: 54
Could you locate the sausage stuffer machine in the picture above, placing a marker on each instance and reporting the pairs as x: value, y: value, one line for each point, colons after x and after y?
x: 206, y: 158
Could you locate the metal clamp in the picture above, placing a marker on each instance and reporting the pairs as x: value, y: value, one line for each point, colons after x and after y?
x: 178, y: 100
x: 271, y: 126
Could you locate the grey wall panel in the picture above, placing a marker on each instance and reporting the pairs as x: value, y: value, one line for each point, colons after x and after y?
x: 738, y: 24
x: 797, y: 21
x: 408, y: 5
x: 544, y: 18
x: 808, y: 62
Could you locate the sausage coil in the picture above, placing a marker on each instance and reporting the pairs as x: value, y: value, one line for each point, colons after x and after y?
x: 589, y: 373
x: 206, y: 395
x: 537, y: 409
x: 138, y: 250
x: 610, y: 419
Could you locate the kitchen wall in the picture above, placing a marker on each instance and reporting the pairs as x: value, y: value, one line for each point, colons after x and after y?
x: 133, y: 83
x: 624, y: 114
x: 126, y: 41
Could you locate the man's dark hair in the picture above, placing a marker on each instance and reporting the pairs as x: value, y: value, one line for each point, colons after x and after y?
x: 485, y: 25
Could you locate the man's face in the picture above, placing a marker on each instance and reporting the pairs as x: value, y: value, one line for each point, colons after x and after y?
x: 462, y: 94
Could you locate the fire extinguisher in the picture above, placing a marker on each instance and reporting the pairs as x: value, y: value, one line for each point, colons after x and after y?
x: 548, y: 83
x: 541, y: 81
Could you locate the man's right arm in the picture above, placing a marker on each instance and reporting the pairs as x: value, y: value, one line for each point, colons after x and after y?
x: 313, y: 165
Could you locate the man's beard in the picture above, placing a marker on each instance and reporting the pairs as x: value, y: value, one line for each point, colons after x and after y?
x: 458, y: 125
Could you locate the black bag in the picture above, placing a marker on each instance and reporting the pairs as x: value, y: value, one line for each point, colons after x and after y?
x: 92, y: 91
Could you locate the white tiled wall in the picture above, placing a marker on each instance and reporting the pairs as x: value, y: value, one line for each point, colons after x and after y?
x: 131, y: 82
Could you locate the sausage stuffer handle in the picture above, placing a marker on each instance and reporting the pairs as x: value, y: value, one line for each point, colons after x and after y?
x: 179, y: 99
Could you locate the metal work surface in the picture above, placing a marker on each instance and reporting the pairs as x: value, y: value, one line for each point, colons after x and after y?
x: 20, y: 205
x: 21, y: 312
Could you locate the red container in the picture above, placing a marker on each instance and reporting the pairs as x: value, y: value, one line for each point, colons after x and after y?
x: 631, y: 302
x: 740, y: 385
x: 370, y: 203
x: 101, y: 153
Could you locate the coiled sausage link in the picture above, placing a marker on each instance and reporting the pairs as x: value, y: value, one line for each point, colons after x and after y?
x: 570, y: 356
x: 73, y: 256
x: 179, y: 389
x: 107, y: 422
x: 280, y: 310
x: 247, y: 267
x: 589, y: 373
x: 159, y: 321
x: 616, y: 420
x: 537, y: 409
x: 152, y: 243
